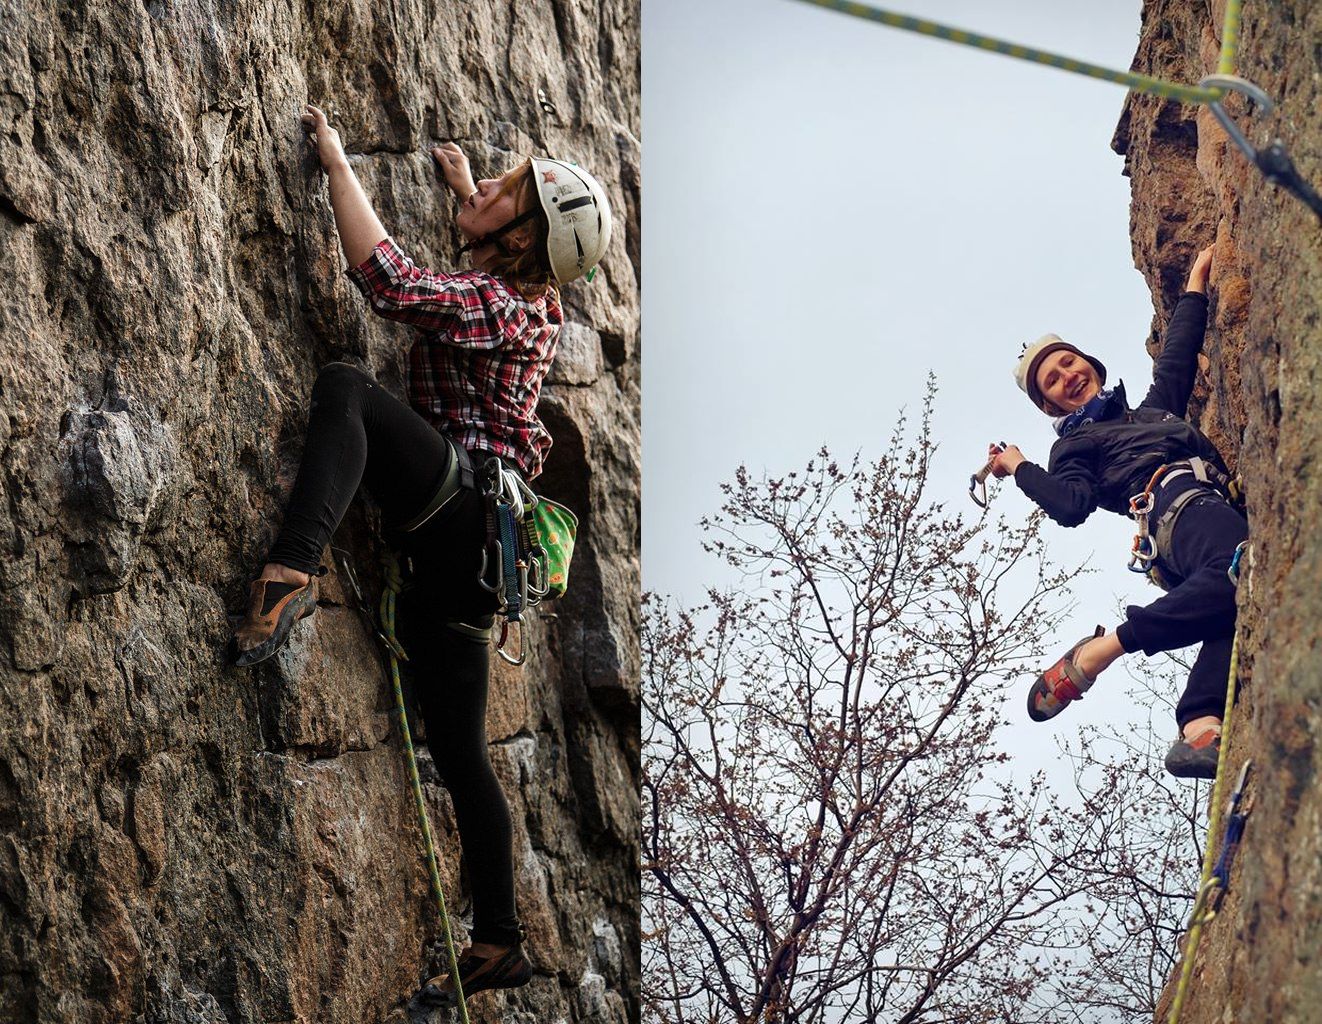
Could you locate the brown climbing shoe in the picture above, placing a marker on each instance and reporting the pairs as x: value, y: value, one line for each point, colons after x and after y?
x: 273, y: 608
x: 509, y: 969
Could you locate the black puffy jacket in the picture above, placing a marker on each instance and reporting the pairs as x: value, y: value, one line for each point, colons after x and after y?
x: 1104, y: 463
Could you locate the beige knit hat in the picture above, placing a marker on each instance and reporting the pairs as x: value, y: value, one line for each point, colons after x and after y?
x: 1025, y: 373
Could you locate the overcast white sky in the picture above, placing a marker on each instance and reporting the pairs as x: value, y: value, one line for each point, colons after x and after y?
x: 831, y: 209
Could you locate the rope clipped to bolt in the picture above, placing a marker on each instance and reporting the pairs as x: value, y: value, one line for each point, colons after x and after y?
x: 1273, y: 161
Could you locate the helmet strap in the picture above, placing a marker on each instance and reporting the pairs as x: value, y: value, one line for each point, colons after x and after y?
x: 496, y: 237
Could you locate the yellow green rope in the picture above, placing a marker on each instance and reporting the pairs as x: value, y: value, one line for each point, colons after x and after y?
x: 1136, y: 82
x: 1200, y: 915
x: 393, y: 584
x: 1225, y: 64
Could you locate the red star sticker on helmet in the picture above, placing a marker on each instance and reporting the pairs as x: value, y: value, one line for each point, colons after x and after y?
x: 548, y: 177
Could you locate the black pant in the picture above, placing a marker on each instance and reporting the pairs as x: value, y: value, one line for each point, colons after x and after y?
x: 1199, y: 607
x: 360, y: 433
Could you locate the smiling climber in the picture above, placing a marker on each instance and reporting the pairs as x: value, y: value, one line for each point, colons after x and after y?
x: 485, y: 339
x: 1151, y: 462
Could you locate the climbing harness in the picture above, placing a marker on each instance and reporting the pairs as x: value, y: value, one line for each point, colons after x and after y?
x: 1274, y: 162
x: 1149, y: 543
x: 1215, y: 876
x: 978, y: 481
x: 458, y: 477
x: 386, y: 635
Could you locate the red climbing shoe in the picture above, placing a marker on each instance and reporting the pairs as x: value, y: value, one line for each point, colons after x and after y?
x: 273, y: 608
x: 1196, y: 758
x: 1061, y: 683
x: 509, y: 969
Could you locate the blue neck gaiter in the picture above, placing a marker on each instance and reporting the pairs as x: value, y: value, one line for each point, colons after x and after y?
x: 1102, y: 406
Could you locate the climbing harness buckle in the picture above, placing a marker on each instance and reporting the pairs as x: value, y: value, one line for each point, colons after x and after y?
x: 978, y: 481
x: 1273, y: 161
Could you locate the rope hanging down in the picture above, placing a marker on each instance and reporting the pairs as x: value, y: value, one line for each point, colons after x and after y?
x: 392, y: 588
x: 386, y: 635
x: 1210, y: 886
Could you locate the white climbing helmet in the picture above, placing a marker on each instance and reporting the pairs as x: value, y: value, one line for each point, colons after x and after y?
x: 579, y: 215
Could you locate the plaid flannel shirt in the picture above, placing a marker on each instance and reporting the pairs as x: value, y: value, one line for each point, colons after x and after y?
x: 475, y: 370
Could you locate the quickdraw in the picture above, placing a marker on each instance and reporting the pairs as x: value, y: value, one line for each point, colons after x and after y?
x: 978, y: 481
x: 1273, y: 160
x: 513, y: 562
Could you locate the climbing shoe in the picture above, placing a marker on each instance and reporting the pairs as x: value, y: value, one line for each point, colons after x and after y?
x: 273, y: 608
x: 509, y: 969
x: 1061, y: 683
x: 1195, y: 758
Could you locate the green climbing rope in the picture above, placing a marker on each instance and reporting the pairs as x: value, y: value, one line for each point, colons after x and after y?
x: 1136, y: 82
x: 1201, y: 915
x: 393, y: 584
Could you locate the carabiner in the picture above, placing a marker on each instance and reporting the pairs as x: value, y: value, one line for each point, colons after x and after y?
x: 1143, y: 553
x: 1273, y: 160
x: 1233, y: 572
x: 539, y: 582
x: 504, y: 635
x: 978, y: 481
x: 491, y: 588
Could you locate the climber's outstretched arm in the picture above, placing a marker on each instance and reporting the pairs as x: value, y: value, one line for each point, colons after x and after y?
x: 1177, y: 365
x: 357, y: 223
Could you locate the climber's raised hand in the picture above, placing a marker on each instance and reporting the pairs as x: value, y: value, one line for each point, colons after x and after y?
x: 1202, y: 270
x: 325, y: 138
x: 455, y: 169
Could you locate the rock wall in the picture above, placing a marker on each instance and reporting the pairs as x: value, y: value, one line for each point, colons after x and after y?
x: 180, y: 840
x: 1261, y: 959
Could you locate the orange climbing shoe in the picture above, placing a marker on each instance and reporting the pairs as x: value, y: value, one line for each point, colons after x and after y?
x: 1061, y: 683
x: 1196, y: 758
x: 273, y: 608
x: 509, y: 969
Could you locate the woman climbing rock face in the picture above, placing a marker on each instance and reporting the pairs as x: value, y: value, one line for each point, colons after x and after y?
x: 485, y: 341
x: 1106, y: 454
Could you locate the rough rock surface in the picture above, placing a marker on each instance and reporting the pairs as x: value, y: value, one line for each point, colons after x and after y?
x: 1261, y: 958
x: 185, y: 842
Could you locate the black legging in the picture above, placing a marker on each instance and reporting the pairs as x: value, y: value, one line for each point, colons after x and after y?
x: 359, y: 432
x: 1200, y: 606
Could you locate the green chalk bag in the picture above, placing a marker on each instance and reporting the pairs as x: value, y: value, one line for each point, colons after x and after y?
x: 555, y: 528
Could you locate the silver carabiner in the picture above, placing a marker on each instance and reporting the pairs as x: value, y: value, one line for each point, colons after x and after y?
x: 539, y: 582
x: 1244, y: 87
x: 504, y: 635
